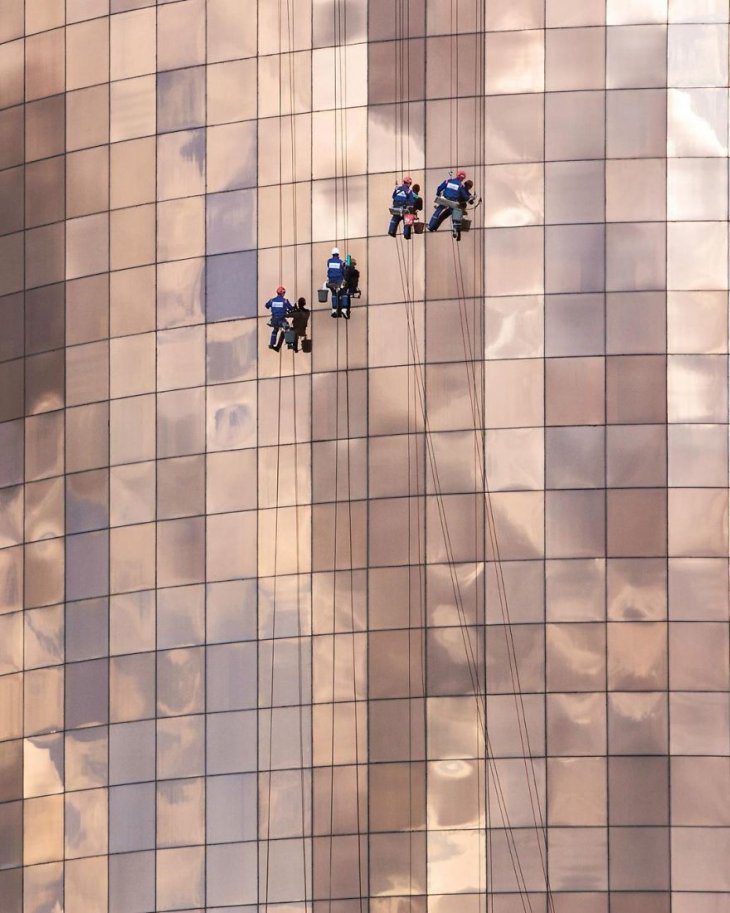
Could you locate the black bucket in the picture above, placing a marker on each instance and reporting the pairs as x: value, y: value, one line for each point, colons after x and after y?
x: 418, y: 227
x: 322, y: 295
x: 465, y: 224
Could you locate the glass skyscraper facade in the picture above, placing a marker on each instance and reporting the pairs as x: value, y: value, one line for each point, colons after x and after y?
x: 434, y: 619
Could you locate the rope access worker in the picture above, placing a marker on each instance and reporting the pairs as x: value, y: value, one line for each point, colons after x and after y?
x: 280, y: 308
x: 298, y: 331
x: 335, y: 282
x: 405, y: 202
x: 452, y: 195
x: 351, y: 282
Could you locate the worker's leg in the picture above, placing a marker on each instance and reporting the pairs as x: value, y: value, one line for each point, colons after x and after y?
x: 439, y: 214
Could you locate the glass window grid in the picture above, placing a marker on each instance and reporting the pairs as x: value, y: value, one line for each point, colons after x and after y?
x: 617, y: 12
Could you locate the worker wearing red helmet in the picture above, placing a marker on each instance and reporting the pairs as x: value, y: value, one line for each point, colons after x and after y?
x: 452, y: 195
x: 404, y: 203
x: 280, y: 308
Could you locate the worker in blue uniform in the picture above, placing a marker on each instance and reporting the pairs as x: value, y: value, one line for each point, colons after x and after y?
x: 404, y: 205
x: 335, y: 280
x: 452, y: 195
x: 280, y: 308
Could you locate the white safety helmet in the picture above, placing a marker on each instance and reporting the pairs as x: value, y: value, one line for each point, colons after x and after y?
x: 335, y: 252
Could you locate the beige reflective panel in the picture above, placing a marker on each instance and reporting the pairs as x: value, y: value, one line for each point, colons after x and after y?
x: 698, y: 455
x: 11, y: 66
x: 132, y: 169
x: 44, y: 190
x: 697, y: 55
x: 231, y: 29
x: 696, y: 392
x: 12, y: 522
x: 226, y: 102
x: 87, y: 49
x: 181, y: 34
x: 132, y: 43
x: 180, y: 293
x: 136, y: 412
x: 180, y: 228
x: 85, y: 884
x: 705, y: 269
x: 87, y: 372
x: 44, y: 64
x: 515, y: 62
x: 43, y: 829
x: 180, y: 747
x: 574, y: 59
x: 623, y: 11
x: 131, y: 687
x: 43, y: 637
x: 131, y: 558
x: 180, y: 876
x: 86, y: 823
x: 180, y: 163
x: 131, y: 303
x: 132, y: 108
x: 697, y: 122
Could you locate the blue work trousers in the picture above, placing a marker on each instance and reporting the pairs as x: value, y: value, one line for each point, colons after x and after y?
x: 340, y: 297
x: 395, y: 222
x: 278, y: 325
x: 441, y: 213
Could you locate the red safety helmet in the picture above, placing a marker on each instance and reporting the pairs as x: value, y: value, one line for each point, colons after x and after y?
x: 407, y: 179
x: 281, y: 290
x: 460, y: 175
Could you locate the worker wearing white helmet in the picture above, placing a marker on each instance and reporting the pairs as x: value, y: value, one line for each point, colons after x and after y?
x: 335, y: 279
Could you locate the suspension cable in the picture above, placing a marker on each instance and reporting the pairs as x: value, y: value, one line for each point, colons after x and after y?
x: 472, y: 667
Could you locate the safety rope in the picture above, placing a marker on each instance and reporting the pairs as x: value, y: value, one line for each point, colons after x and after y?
x: 275, y: 606
x: 472, y: 662
x: 273, y: 647
x: 333, y: 682
x: 467, y: 335
x: 355, y: 696
x: 533, y: 788
x: 405, y: 270
x: 343, y: 195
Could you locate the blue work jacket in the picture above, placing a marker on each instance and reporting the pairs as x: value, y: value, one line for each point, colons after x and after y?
x: 453, y: 189
x: 335, y: 270
x: 279, y: 306
x: 404, y: 196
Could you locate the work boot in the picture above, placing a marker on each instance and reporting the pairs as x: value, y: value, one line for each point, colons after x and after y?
x: 334, y: 312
